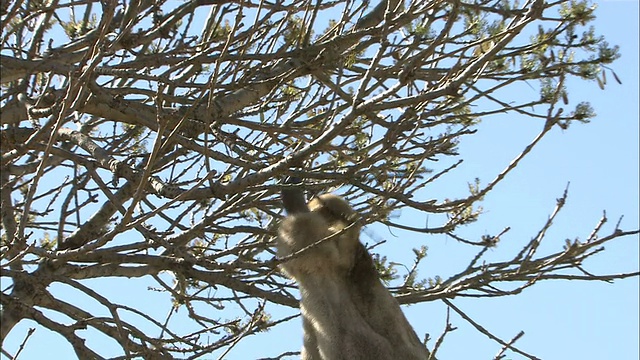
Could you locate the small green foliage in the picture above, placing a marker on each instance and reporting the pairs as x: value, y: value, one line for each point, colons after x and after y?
x: 583, y: 112
x: 489, y: 240
x: 133, y: 129
x: 295, y: 32
x: 76, y: 29
x: 37, y: 5
x: 137, y: 133
x: 580, y: 11
x: 547, y: 90
x: 499, y: 65
x: 606, y: 53
x: 589, y: 39
x: 462, y: 113
x: 233, y: 327
x: 350, y: 60
x: 387, y: 272
x: 474, y: 188
x: 588, y: 71
x: 253, y: 214
x: 571, y: 244
x: 474, y: 24
x: 197, y: 247
x: 496, y: 27
x: 420, y: 253
x: 505, y: 5
x: 467, y: 215
x: 541, y: 41
x: 221, y: 32
x: 290, y: 92
x: 421, y: 31
x: 361, y: 139
x: 434, y: 282
x: 262, y: 321
x: 24, y: 189
x: 527, y: 64
x: 410, y: 279
x: 47, y: 242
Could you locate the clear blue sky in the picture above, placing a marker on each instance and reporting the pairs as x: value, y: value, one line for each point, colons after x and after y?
x: 561, y: 320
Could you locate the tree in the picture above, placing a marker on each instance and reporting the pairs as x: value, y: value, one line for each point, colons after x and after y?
x: 149, y: 140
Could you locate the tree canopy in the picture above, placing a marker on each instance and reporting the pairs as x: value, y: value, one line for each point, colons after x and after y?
x: 150, y: 139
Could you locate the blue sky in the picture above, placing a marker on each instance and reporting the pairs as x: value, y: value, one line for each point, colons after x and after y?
x: 561, y: 320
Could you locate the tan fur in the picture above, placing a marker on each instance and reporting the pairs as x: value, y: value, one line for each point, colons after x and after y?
x: 347, y: 312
